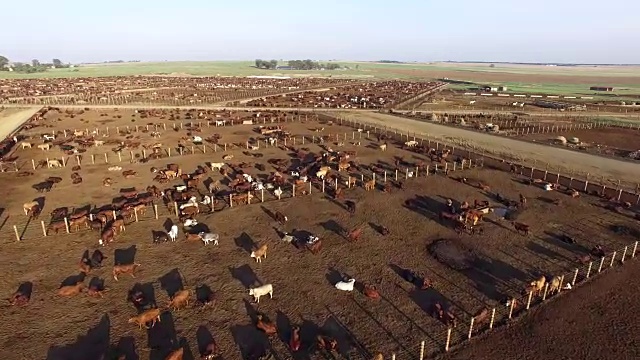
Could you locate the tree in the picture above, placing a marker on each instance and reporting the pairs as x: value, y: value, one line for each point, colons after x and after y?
x: 259, y: 63
x: 273, y: 64
x: 492, y: 65
x: 3, y: 63
x: 35, y: 63
x: 57, y: 63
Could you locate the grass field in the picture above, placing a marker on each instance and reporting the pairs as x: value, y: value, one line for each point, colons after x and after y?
x: 526, y: 78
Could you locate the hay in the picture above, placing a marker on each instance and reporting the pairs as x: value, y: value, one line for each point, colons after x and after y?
x: 452, y: 253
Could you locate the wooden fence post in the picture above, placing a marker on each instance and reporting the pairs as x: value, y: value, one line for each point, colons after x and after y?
x: 175, y: 208
x: 323, y: 186
x: 493, y: 317
x: 135, y: 213
x: 422, y: 350
x: 471, y: 328
x: 601, y: 263
x: 624, y: 253
x: 15, y: 228
x: 309, y: 187
x: 155, y: 210
x: 230, y: 200
x: 446, y: 346
x: 248, y: 197
x: 396, y: 174
x: 66, y: 224
x: 513, y: 304
x: 575, y: 276
x: 393, y: 356
x: 546, y: 290
x: 106, y: 158
x: 294, y: 190
x: 561, y: 282
x: 529, y: 299
x: 44, y: 229
x: 33, y: 163
x: 635, y: 247
x: 385, y: 176
x: 613, y: 258
x: 589, y: 270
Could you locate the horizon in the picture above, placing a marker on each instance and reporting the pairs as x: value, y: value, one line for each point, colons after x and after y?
x: 468, y: 31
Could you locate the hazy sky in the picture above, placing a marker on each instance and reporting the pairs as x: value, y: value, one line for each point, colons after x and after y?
x: 585, y: 31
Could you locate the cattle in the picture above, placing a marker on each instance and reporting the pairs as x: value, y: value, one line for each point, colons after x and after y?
x: 261, y: 291
x: 281, y: 218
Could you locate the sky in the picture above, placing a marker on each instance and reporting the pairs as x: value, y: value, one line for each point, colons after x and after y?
x: 563, y: 31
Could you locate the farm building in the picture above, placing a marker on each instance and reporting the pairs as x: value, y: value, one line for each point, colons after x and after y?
x: 559, y: 105
x: 601, y: 88
x: 494, y: 88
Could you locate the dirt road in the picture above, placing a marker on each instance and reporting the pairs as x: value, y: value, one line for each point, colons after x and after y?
x: 12, y: 118
x: 597, y: 321
x: 562, y: 160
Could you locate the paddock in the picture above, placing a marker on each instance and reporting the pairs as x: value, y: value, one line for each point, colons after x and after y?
x: 303, y: 282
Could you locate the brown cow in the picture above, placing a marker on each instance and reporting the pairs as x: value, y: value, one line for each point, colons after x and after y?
x: 125, y: 269
x: 520, y: 227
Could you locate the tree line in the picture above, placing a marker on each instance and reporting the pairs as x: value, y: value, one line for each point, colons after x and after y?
x: 33, y: 67
x: 297, y: 65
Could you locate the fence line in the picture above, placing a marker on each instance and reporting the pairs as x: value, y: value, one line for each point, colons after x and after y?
x: 583, y: 185
x: 454, y: 337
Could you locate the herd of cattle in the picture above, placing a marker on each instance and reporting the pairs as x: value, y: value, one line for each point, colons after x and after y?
x: 188, y: 200
x: 85, y: 88
x: 371, y: 95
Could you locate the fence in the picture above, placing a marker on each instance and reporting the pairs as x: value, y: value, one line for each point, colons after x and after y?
x: 32, y: 229
x: 456, y: 336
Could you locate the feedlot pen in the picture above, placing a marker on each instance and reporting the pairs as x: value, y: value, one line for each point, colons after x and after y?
x: 304, y: 294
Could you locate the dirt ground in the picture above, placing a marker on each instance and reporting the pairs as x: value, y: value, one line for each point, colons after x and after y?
x: 562, y: 160
x: 611, y: 141
x: 592, y: 322
x: 303, y: 282
x: 12, y: 118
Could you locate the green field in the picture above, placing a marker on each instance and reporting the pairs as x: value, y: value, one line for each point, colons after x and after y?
x: 519, y: 78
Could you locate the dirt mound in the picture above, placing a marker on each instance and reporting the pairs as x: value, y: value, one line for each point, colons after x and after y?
x: 452, y: 253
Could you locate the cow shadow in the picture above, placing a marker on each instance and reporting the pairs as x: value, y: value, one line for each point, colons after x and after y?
x: 127, y: 347
x: 73, y: 279
x: 245, y: 275
x: 171, y: 282
x: 488, y: 275
x: 203, y: 293
x: 425, y: 206
x: 245, y: 242
x: 125, y: 256
x: 162, y: 337
x: 333, y: 276
x: 555, y: 240
x: 347, y: 341
x: 147, y: 290
x: 401, y: 273
x: 203, y: 338
x: 269, y: 213
x: 252, y: 343
x: 167, y: 224
x: 283, y: 325
x: 93, y: 345
x: 26, y: 289
x: 544, y: 252
x: 199, y: 228
x: 334, y: 227
x: 96, y: 283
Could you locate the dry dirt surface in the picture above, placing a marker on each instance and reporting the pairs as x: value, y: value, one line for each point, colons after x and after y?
x: 12, y: 118
x: 596, y: 321
x: 562, y: 160
x: 613, y: 141
x: 70, y: 328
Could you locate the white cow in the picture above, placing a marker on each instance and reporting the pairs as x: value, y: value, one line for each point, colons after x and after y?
x: 173, y: 234
x: 261, y: 291
x: 209, y: 237
x: 216, y: 166
x: 346, y: 285
x: 197, y: 139
x: 190, y: 222
x: 49, y: 137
